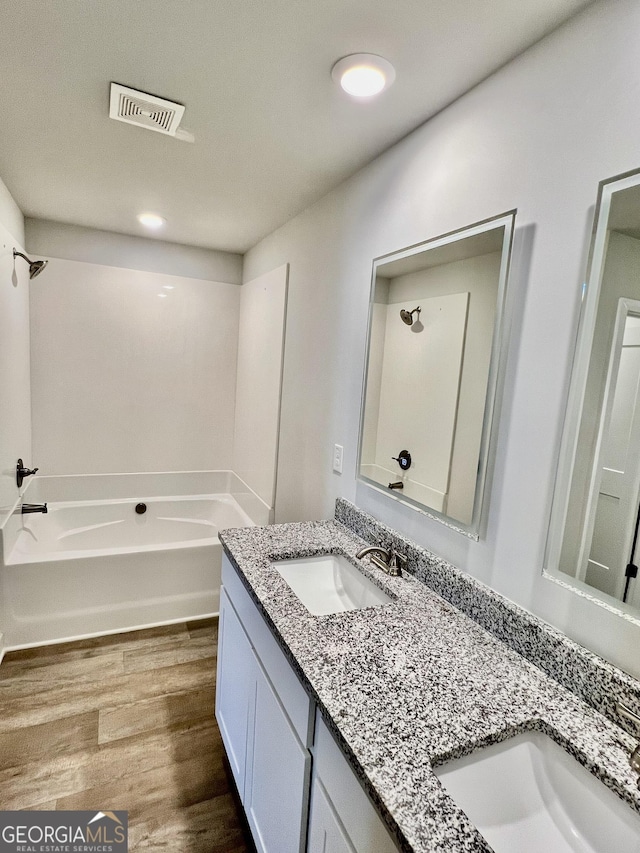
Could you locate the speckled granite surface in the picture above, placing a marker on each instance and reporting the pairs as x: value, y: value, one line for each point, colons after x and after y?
x: 584, y: 673
x: 407, y: 686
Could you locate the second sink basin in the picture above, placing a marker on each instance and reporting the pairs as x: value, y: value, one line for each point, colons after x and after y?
x: 330, y: 584
x: 528, y: 795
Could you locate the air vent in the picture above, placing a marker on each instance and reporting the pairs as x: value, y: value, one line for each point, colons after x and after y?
x: 144, y: 110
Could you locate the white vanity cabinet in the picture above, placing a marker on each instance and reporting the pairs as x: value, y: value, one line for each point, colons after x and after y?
x: 270, y: 730
x: 265, y: 720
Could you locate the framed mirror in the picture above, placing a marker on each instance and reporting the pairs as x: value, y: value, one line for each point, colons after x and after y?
x: 436, y: 321
x: 593, y: 541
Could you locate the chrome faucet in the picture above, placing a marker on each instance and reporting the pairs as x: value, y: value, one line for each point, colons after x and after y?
x: 627, y: 714
x: 390, y: 561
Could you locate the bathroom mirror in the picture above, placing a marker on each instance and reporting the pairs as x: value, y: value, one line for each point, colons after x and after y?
x: 593, y: 541
x: 435, y: 328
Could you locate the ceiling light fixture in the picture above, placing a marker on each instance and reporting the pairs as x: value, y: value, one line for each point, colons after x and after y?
x: 363, y: 75
x: 151, y: 220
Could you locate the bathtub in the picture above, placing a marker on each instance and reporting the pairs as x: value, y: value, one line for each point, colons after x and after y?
x: 92, y: 565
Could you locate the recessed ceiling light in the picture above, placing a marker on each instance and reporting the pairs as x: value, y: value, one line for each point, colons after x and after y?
x: 151, y: 220
x: 363, y: 75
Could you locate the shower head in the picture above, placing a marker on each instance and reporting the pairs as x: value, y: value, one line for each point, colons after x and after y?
x: 35, y: 267
x: 407, y: 316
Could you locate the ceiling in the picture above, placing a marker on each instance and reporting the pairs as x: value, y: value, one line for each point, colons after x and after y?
x: 272, y: 132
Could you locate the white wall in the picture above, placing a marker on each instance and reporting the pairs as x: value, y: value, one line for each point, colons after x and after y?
x: 538, y: 136
x: 124, y: 379
x: 15, y: 410
x: 259, y: 380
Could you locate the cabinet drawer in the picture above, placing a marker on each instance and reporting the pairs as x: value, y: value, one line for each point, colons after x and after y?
x: 291, y: 693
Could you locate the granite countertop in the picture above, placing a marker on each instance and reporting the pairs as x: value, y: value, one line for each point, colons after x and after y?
x: 412, y: 684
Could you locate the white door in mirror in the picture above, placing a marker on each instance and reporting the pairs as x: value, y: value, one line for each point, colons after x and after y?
x: 528, y: 795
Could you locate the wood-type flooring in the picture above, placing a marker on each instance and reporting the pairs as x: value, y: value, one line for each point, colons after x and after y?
x: 123, y: 722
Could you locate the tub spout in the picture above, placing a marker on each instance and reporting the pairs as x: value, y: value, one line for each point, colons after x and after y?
x: 29, y: 508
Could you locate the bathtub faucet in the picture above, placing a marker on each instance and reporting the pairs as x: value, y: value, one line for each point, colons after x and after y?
x: 28, y: 508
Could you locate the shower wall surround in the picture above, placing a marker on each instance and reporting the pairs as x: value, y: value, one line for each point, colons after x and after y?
x: 150, y: 356
x: 131, y: 370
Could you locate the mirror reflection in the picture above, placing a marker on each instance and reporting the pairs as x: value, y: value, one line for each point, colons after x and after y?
x: 434, y: 335
x: 596, y: 516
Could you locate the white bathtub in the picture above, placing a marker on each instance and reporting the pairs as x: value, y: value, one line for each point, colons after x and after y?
x: 92, y: 565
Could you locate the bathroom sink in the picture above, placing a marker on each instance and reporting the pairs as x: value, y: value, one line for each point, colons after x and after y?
x: 528, y: 795
x: 330, y: 584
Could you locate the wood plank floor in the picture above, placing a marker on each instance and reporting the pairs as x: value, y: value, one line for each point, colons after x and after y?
x: 123, y: 722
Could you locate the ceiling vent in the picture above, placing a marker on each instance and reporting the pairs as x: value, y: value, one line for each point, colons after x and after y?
x: 145, y: 110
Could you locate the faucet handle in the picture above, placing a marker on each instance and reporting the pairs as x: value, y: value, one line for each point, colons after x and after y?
x: 22, y: 472
x: 397, y: 560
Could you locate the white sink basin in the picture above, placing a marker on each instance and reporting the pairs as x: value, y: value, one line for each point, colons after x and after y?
x: 330, y: 584
x: 528, y: 795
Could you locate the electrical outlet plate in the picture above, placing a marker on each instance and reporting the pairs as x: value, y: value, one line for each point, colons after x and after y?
x: 338, y: 452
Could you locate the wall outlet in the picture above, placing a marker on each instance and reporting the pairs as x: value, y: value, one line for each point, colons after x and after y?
x: 338, y: 451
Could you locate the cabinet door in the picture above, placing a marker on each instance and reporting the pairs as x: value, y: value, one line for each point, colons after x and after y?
x: 326, y: 834
x: 277, y: 777
x: 355, y: 812
x: 235, y: 689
